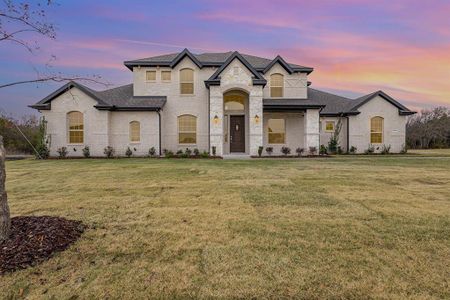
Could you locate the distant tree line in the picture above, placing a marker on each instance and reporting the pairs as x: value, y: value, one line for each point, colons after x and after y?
x: 13, y: 140
x: 429, y: 129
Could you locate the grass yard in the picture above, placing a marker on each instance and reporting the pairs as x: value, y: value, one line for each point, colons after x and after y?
x: 343, y: 227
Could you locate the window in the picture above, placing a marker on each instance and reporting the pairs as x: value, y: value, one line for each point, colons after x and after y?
x: 276, y: 85
x: 277, y: 132
x: 135, y: 131
x: 187, y: 129
x: 150, y: 75
x: 187, y: 82
x: 329, y: 126
x: 76, y: 127
x: 166, y: 75
x: 376, y: 130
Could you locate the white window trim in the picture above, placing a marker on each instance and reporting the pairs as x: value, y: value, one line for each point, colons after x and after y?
x: 285, y: 133
x: 178, y: 131
x: 334, y: 126
x: 164, y: 80
x: 156, y: 76
x: 68, y: 129
x: 276, y: 86
x: 130, y: 133
x: 193, y: 82
x: 382, y: 130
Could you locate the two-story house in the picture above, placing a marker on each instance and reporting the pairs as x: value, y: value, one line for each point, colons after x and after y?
x: 231, y: 101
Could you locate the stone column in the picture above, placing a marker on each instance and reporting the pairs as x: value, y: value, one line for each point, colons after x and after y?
x: 311, y: 119
x: 256, y: 128
x: 216, y: 109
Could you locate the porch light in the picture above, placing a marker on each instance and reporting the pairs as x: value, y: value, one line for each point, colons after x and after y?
x: 256, y: 119
x: 216, y: 120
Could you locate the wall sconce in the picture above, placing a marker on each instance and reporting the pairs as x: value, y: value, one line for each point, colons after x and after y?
x: 256, y: 119
x: 216, y: 120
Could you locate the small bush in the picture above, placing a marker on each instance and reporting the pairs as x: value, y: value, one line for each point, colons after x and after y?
x: 168, y: 154
x: 269, y: 150
x: 188, y: 152
x: 299, y: 151
x: 152, y: 152
x: 339, y: 150
x: 196, y: 152
x: 370, y: 149
x: 42, y: 151
x: 352, y: 150
x: 128, y: 152
x: 260, y: 150
x: 213, y: 150
x: 204, y: 154
x: 86, y: 152
x: 285, y: 150
x: 333, y: 145
x: 109, y: 152
x: 323, y: 150
x: 179, y: 152
x: 386, y: 149
x: 62, y: 152
x: 312, y: 150
x: 404, y: 149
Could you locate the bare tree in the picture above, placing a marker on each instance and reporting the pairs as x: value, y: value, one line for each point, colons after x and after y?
x: 5, y: 221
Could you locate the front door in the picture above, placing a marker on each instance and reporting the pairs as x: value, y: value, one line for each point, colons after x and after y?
x: 237, y: 134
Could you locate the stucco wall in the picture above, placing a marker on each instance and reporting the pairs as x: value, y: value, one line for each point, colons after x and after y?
x: 120, y: 132
x: 177, y: 104
x: 393, y: 130
x: 295, y: 84
x: 95, y: 123
x: 325, y: 136
x: 294, y: 127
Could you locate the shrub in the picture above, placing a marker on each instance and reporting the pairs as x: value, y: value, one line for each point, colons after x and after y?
x: 299, y: 151
x: 62, y: 152
x: 269, y: 150
x: 204, y: 154
x: 339, y: 150
x: 352, y: 150
x: 179, y: 152
x: 213, y: 150
x: 332, y: 145
x: 128, y: 152
x: 386, y: 149
x: 260, y: 150
x: 404, y: 149
x: 152, y: 152
x: 42, y: 151
x: 312, y: 150
x: 285, y: 150
x: 168, y: 153
x: 86, y: 152
x: 188, y: 152
x: 370, y: 149
x: 323, y: 150
x: 196, y: 152
x: 109, y: 152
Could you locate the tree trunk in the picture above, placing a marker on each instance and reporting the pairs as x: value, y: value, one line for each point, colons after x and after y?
x: 5, y: 220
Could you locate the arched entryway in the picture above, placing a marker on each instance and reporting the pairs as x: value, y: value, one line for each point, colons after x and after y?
x: 236, y: 122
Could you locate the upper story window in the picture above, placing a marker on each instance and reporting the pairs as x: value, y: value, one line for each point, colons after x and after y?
x: 166, y: 75
x: 187, y: 129
x: 376, y: 130
x: 76, y: 127
x: 329, y: 126
x: 277, y: 131
x: 135, y: 131
x: 150, y: 75
x: 187, y: 82
x: 276, y: 85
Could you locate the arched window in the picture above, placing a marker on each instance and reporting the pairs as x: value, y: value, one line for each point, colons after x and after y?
x: 187, y: 129
x: 135, y: 131
x: 376, y: 130
x: 186, y: 81
x: 276, y: 85
x: 76, y: 127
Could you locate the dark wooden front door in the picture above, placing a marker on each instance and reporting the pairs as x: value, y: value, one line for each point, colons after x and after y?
x: 237, y: 134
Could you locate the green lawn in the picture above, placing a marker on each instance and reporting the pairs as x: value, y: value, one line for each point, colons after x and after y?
x: 342, y: 227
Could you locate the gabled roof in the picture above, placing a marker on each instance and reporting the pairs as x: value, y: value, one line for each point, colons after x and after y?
x: 353, y: 107
x: 119, y: 98
x: 258, y: 79
x: 209, y: 59
x: 282, y: 62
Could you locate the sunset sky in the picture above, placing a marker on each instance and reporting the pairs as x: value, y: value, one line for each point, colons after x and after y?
x: 355, y: 46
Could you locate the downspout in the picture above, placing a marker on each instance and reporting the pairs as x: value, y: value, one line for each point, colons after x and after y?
x: 209, y: 123
x: 348, y: 134
x: 159, y: 119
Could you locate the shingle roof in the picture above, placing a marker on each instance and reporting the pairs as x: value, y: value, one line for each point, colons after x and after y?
x: 210, y: 59
x: 119, y: 98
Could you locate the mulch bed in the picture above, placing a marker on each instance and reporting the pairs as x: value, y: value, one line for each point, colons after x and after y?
x: 36, y: 239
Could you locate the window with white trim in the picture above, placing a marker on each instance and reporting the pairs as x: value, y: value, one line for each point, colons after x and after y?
x: 166, y: 75
x: 150, y: 75
x: 276, y: 131
x: 76, y: 127
x: 187, y: 129
x: 329, y: 126
x: 186, y: 81
x: 135, y: 131
x: 276, y: 85
x: 376, y: 130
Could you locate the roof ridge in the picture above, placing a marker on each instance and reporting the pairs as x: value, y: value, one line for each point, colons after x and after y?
x: 350, y: 99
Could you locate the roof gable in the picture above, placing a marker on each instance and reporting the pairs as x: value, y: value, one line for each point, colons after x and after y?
x: 364, y: 99
x: 182, y: 55
x: 215, y: 78
x: 282, y: 63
